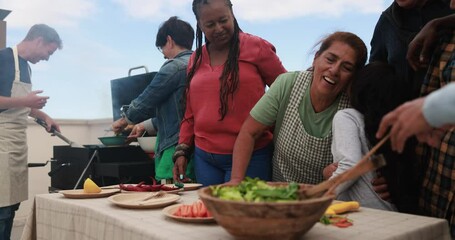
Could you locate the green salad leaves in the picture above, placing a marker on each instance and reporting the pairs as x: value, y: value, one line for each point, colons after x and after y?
x: 256, y: 190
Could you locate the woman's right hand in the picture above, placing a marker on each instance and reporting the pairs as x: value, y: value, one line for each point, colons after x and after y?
x: 179, y: 169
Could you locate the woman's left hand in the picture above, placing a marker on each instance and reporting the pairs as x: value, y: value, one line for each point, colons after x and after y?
x: 138, y: 131
x: 381, y: 188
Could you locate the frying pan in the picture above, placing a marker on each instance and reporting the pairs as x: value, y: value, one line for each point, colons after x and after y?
x: 118, y: 140
x: 57, y: 133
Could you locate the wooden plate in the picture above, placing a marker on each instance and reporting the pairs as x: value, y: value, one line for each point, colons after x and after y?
x: 134, y: 200
x: 170, y: 210
x: 188, y: 186
x: 170, y: 185
x: 79, y: 193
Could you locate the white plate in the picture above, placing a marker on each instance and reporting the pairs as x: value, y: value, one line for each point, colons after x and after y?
x: 188, y: 186
x: 79, y: 193
x: 170, y: 210
x: 135, y: 200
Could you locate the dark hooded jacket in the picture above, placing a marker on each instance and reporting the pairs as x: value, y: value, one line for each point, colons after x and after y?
x: 394, y: 31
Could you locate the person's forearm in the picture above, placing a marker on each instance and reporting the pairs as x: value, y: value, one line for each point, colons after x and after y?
x: 149, y: 127
x: 35, y: 113
x: 444, y: 23
x: 137, y: 113
x: 243, y: 149
x: 439, y: 107
x: 186, y: 134
x: 10, y: 102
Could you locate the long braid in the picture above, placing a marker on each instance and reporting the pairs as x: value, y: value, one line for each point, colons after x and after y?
x: 229, y: 79
x: 198, y: 57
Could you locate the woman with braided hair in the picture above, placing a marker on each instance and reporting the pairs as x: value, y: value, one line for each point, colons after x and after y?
x: 226, y: 77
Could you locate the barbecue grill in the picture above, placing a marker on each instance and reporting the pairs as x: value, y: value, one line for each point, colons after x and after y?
x: 110, y: 165
x: 105, y: 165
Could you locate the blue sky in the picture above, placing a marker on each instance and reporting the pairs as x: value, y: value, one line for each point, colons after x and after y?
x: 103, y: 39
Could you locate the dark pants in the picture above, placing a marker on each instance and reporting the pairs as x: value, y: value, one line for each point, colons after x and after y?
x: 6, y: 220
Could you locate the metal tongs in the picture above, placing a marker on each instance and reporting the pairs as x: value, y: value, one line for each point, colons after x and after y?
x: 368, y: 163
x: 57, y: 133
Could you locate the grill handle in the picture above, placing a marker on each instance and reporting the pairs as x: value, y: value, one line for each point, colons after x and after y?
x: 51, y: 173
x: 40, y: 164
x: 37, y: 164
x: 138, y: 67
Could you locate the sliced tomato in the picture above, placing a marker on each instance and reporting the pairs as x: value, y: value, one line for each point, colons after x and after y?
x: 343, y: 224
x: 178, y: 213
x: 202, y: 209
x: 195, y: 210
x: 186, y: 211
x: 342, y: 220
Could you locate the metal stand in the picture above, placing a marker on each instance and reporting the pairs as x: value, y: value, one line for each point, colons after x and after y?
x: 95, y: 153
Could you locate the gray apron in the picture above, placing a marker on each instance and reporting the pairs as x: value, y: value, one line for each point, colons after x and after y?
x: 13, y: 145
x: 298, y: 156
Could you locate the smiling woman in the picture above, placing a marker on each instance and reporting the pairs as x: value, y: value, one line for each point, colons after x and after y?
x: 226, y: 77
x: 301, y: 106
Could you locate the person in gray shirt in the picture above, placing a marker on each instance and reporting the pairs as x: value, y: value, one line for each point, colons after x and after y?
x: 374, y: 92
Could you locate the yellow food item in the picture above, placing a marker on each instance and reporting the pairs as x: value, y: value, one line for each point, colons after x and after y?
x: 91, y: 187
x: 339, y: 208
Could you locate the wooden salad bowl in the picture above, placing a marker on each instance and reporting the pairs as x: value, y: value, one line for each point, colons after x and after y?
x: 266, y: 220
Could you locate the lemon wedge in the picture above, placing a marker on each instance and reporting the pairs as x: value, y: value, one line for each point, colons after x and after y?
x: 91, y: 187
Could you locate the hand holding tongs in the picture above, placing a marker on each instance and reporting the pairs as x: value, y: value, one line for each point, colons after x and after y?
x: 57, y: 133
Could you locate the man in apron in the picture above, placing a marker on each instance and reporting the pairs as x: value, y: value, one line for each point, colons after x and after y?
x: 17, y: 102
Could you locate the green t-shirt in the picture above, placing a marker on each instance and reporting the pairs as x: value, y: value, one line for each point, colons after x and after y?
x: 271, y: 108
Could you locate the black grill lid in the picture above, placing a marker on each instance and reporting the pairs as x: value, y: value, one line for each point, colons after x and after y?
x: 4, y: 13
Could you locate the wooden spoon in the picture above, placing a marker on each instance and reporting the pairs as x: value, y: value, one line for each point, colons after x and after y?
x: 366, y: 164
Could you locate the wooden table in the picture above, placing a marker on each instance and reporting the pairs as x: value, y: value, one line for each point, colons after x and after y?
x: 56, y: 217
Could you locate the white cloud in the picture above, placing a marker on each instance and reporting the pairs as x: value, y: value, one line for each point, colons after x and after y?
x: 155, y: 9
x: 25, y: 13
x: 260, y: 10
x: 70, y: 12
x: 257, y: 10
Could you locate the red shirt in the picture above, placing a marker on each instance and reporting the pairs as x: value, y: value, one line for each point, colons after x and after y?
x: 258, y: 65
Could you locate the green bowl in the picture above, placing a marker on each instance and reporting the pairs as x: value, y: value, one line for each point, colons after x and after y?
x: 113, y: 140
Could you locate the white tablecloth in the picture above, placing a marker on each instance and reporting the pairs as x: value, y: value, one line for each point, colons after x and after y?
x: 56, y: 217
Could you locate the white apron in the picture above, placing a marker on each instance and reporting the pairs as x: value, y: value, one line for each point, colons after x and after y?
x: 13, y: 145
